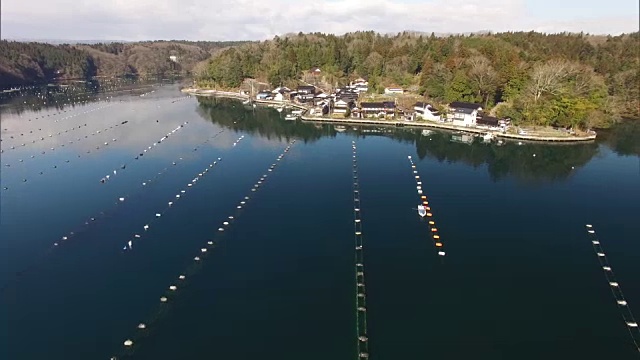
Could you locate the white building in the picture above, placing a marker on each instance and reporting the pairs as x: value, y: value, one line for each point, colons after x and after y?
x: 393, y: 90
x: 340, y: 107
x: 426, y: 111
x: 463, y: 114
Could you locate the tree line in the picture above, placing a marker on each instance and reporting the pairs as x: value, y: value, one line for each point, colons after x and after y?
x: 570, y: 80
x: 24, y: 63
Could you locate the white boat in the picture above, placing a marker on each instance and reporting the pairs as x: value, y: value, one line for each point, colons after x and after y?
x: 422, y: 211
x: 297, y: 112
x: 426, y: 132
x: 488, y: 137
x: 291, y: 117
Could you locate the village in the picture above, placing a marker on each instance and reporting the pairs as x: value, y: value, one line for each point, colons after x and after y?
x: 317, y: 100
x: 352, y: 102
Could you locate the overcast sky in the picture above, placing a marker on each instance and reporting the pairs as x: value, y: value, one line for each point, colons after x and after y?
x: 262, y: 19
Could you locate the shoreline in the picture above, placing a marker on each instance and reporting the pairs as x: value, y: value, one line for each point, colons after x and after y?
x: 396, y: 123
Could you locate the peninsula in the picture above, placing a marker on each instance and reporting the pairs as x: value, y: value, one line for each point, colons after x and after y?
x: 524, y: 84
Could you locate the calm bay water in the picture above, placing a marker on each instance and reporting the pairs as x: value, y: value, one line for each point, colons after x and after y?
x: 520, y: 279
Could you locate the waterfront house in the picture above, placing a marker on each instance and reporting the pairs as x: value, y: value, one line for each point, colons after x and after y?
x: 378, y: 109
x: 464, y: 113
x: 281, y: 93
x: 488, y: 121
x: 342, y: 106
x: 393, y: 90
x: 264, y: 95
x: 306, y: 90
x: 426, y: 111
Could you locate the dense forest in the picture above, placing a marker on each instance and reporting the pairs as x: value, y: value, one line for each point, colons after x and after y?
x: 28, y: 63
x: 543, y: 79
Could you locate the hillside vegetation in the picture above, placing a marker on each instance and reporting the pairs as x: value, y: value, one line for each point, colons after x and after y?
x: 542, y: 79
x: 27, y: 63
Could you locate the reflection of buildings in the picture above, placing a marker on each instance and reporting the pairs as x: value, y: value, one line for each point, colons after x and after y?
x: 462, y: 138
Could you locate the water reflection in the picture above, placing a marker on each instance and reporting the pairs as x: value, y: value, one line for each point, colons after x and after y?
x: 67, y: 94
x: 531, y: 162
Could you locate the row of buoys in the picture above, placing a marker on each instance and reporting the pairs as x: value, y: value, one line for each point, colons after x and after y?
x: 107, y: 177
x: 424, y: 202
x: 361, y: 296
x: 143, y: 328
x: 138, y: 236
x: 32, y: 131
x: 124, y: 198
x: 614, y: 286
x: 77, y: 140
x: 92, y: 220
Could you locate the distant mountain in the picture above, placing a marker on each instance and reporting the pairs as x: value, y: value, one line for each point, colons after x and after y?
x: 34, y: 62
x: 70, y: 42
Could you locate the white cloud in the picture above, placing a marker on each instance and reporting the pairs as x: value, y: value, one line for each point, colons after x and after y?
x: 262, y: 19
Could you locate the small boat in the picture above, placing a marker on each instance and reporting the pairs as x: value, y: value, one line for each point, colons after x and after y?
x: 291, y: 117
x: 422, y: 211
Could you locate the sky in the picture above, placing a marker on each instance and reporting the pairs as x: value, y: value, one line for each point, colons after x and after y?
x: 217, y: 20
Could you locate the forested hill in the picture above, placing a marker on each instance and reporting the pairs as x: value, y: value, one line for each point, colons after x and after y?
x: 30, y: 62
x: 547, y: 79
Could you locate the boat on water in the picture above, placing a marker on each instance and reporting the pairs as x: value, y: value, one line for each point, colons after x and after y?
x: 422, y: 210
x: 291, y: 117
x: 426, y: 132
x: 297, y: 112
x: 340, y: 128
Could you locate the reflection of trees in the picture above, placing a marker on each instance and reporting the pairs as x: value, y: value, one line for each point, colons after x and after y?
x: 56, y: 96
x: 266, y: 122
x: 624, y: 138
x: 552, y: 161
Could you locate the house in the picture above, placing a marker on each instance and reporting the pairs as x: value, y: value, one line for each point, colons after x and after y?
x: 306, y: 89
x: 264, y: 95
x: 426, y: 111
x: 281, y: 93
x: 173, y: 58
x: 315, y: 71
x: 341, y: 107
x: 360, y: 85
x: 489, y: 121
x: 379, y: 109
x: 393, y: 90
x: 464, y: 113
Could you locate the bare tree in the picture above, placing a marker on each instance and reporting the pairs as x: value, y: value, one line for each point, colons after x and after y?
x: 483, y: 76
x: 548, y: 77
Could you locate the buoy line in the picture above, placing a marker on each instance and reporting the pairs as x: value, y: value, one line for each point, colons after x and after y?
x: 102, y: 214
x: 614, y: 286
x: 35, y: 131
x: 361, y: 295
x: 424, y: 206
x: 108, y: 100
x: 143, y: 328
x: 141, y: 154
x: 138, y: 236
x: 69, y: 144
